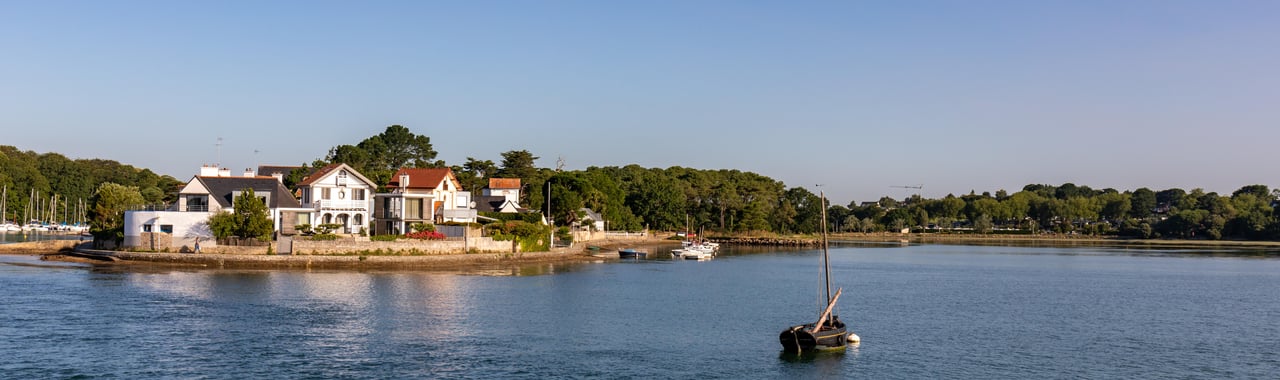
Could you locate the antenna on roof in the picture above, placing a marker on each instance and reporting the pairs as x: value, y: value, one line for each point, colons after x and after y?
x: 219, y: 145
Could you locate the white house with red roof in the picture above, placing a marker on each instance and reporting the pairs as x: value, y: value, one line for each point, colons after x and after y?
x: 337, y: 194
x: 421, y: 195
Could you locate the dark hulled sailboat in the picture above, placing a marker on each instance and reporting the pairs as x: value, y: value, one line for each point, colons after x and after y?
x: 828, y: 332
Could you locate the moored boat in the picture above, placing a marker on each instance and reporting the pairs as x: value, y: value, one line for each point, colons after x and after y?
x: 631, y: 254
x: 829, y: 332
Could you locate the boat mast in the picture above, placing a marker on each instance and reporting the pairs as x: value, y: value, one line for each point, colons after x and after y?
x: 826, y: 262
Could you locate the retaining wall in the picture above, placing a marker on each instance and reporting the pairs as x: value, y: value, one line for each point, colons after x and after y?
x: 419, y: 247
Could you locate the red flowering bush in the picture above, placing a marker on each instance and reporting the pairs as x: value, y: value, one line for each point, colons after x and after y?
x: 425, y: 235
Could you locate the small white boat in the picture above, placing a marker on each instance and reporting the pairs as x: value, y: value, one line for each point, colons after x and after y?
x: 691, y: 254
x: 10, y: 227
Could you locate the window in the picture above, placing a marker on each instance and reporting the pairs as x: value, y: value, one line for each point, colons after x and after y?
x: 324, y: 193
x: 413, y: 208
x: 166, y: 228
x: 357, y: 194
x: 146, y: 228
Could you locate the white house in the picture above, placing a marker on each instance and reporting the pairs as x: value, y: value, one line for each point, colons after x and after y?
x: 337, y: 194
x: 502, y: 195
x: 423, y: 195
x: 211, y: 191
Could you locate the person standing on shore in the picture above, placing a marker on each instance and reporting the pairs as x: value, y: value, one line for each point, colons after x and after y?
x: 197, y: 247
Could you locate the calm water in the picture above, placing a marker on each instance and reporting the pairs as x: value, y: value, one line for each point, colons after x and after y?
x: 18, y: 237
x: 922, y: 311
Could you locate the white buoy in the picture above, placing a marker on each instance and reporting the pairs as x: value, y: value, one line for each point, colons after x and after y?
x: 853, y: 338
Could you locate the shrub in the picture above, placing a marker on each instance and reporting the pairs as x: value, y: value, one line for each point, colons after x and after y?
x: 327, y: 228
x: 425, y: 235
x: 325, y: 236
x: 423, y: 227
x: 384, y: 237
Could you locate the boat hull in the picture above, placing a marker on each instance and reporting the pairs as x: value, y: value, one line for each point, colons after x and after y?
x: 630, y: 254
x: 801, y: 338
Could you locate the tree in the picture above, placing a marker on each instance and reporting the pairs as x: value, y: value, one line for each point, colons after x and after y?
x: 517, y: 164
x: 982, y: 224
x: 108, y: 205
x: 474, y: 174
x: 379, y: 156
x: 1142, y: 203
x: 249, y: 218
x: 397, y: 147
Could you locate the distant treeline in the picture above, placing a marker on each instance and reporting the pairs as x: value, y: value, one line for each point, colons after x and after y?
x: 1247, y: 214
x: 732, y: 201
x: 52, y: 174
x: 724, y: 201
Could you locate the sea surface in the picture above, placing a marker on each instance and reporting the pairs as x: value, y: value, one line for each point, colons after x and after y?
x: 19, y: 237
x: 923, y: 311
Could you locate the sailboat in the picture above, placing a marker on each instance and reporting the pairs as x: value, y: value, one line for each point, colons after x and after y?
x: 829, y: 332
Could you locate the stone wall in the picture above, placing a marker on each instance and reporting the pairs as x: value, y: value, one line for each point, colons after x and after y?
x: 162, y: 241
x: 404, y: 246
x: 585, y: 236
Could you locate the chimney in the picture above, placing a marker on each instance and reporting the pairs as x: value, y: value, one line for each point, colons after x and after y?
x: 208, y: 171
x: 248, y: 172
x: 404, y: 181
x: 224, y: 172
x: 278, y: 176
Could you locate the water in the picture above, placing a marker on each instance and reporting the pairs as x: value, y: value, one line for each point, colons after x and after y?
x: 922, y: 311
x: 18, y: 237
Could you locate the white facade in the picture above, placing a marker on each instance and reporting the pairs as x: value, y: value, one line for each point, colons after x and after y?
x: 337, y: 194
x: 188, y: 218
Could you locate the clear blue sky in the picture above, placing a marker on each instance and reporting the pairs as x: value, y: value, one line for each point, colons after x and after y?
x: 858, y: 96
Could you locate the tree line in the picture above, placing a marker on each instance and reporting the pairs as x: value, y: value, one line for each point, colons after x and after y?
x: 733, y: 201
x: 71, y: 181
x: 725, y: 201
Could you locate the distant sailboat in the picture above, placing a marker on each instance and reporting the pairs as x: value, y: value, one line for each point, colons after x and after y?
x: 828, y: 333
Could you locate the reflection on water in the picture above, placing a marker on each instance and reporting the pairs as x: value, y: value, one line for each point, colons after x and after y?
x: 925, y: 311
x: 18, y: 237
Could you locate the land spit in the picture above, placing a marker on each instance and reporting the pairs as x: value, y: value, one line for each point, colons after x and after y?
x: 82, y: 252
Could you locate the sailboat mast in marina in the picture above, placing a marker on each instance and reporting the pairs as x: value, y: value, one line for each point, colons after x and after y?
x: 828, y: 333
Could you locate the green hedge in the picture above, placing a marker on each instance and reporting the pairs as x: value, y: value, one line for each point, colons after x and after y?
x: 527, y: 217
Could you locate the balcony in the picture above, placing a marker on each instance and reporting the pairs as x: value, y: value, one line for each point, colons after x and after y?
x: 338, y: 205
x: 197, y: 208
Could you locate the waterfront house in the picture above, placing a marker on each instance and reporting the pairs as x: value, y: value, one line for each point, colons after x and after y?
x: 589, y: 219
x: 337, y: 194
x: 421, y: 195
x: 502, y: 195
x: 211, y: 191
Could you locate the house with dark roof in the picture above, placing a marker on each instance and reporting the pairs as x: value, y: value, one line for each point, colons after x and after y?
x: 502, y: 195
x: 276, y: 170
x: 212, y: 191
x: 421, y: 195
x: 337, y: 194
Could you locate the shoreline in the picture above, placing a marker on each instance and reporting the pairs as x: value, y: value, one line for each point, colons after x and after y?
x: 585, y: 252
x: 80, y: 252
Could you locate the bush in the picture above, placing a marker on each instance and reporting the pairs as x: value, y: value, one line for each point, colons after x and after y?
x: 327, y: 228
x: 325, y: 236
x: 425, y: 235
x: 384, y: 237
x: 423, y: 227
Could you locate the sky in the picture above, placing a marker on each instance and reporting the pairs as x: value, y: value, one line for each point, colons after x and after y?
x: 858, y: 96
